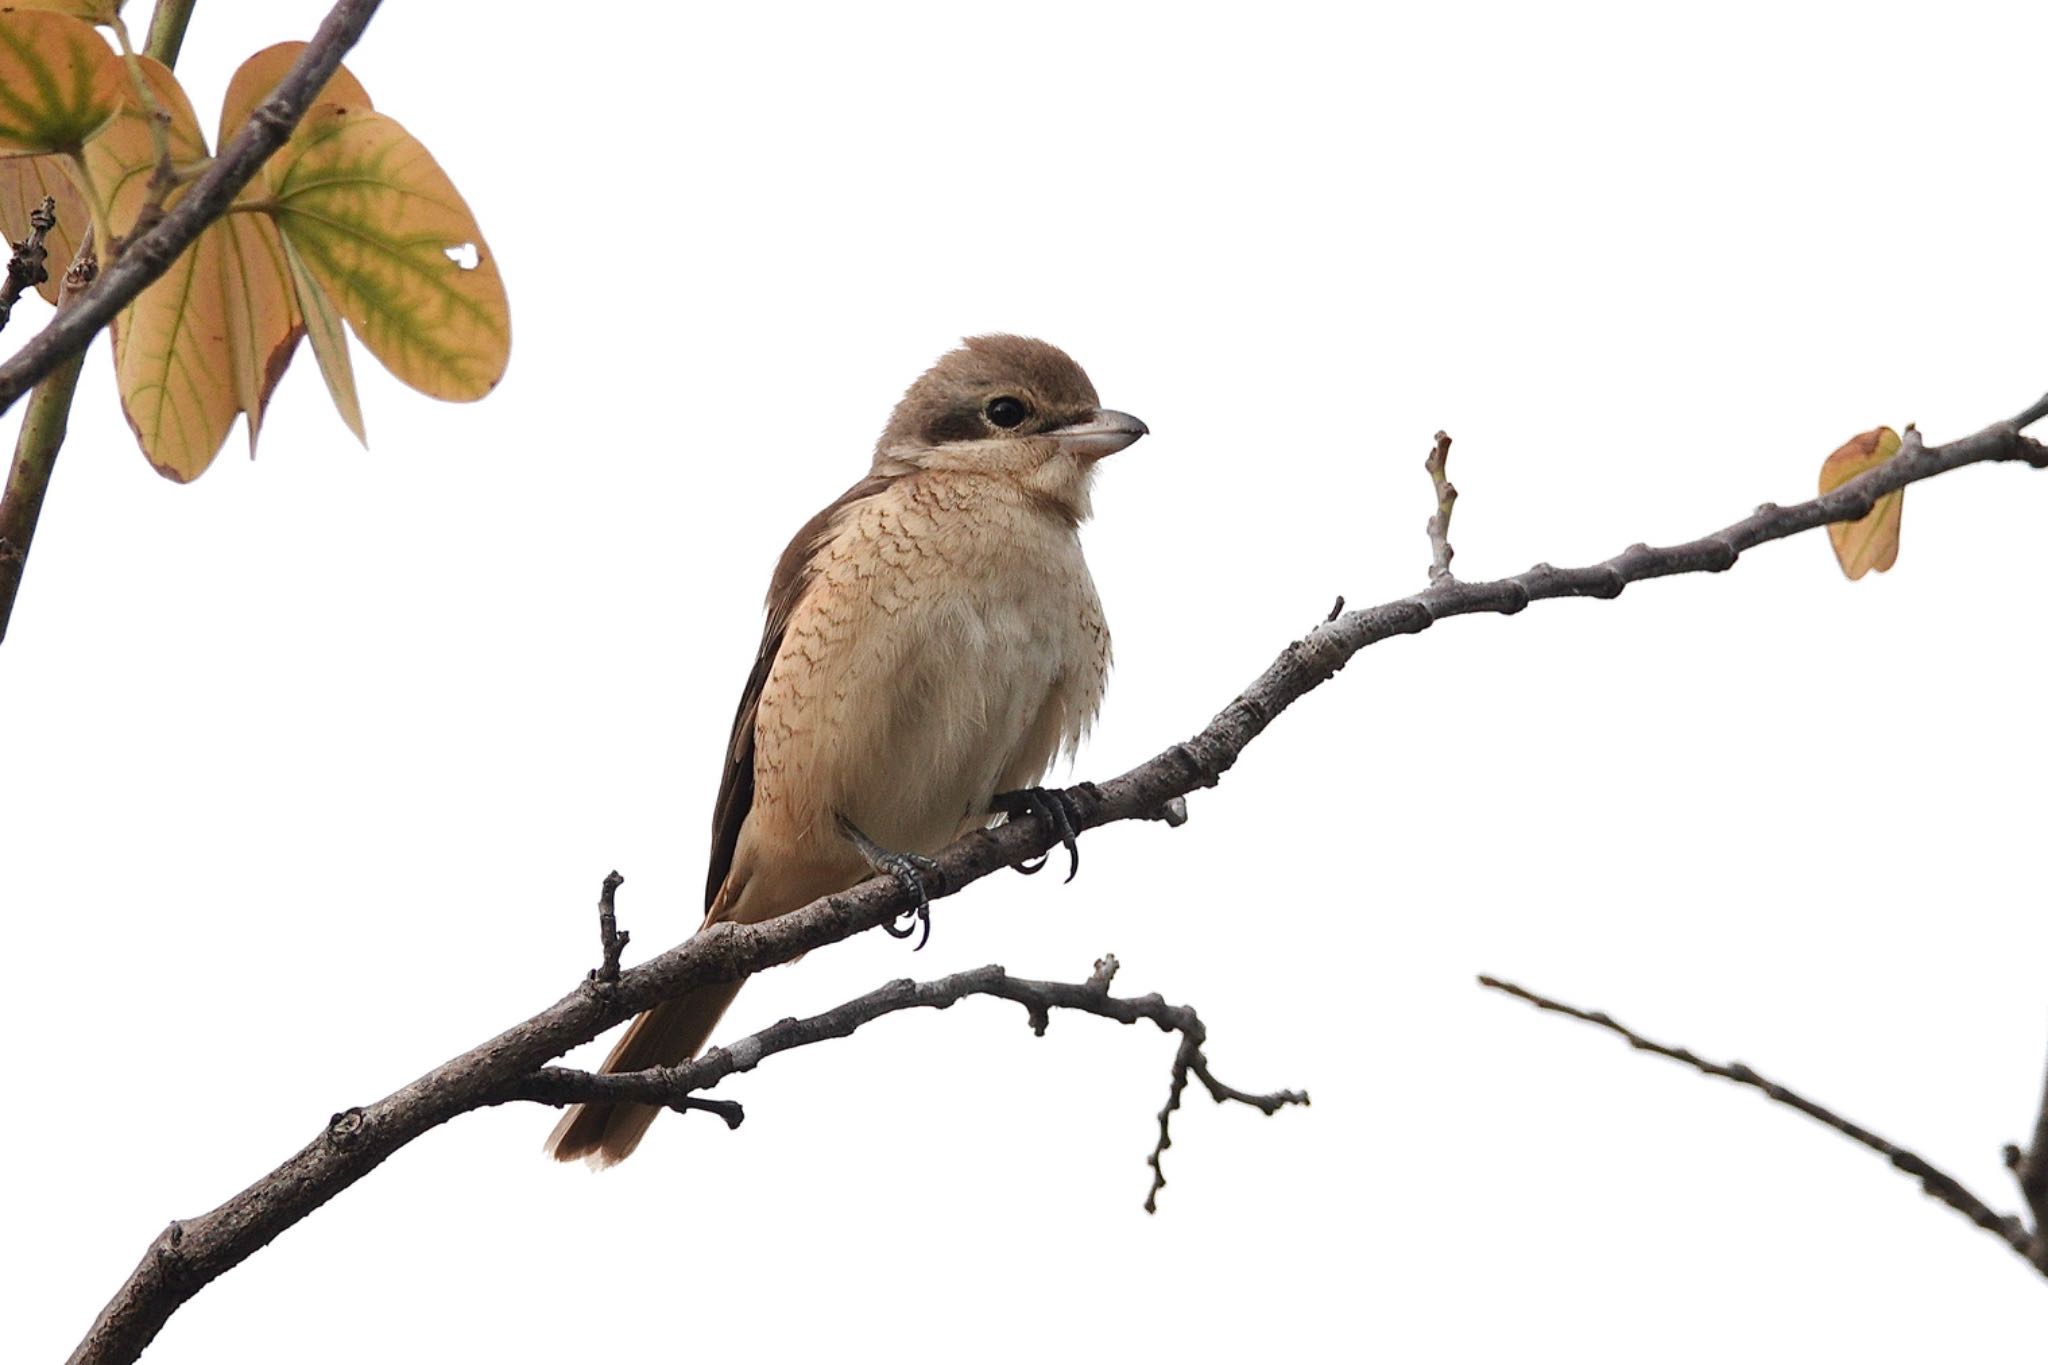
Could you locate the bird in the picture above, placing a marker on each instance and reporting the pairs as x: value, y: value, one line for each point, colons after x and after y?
x: 932, y: 643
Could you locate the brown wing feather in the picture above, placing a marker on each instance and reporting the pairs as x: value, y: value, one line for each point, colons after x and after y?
x: 793, y: 575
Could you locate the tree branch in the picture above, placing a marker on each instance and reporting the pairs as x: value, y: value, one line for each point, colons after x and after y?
x: 2030, y: 1168
x: 674, y: 1086
x: 2006, y: 1227
x: 190, y: 1254
x: 611, y: 939
x: 150, y: 254
x: 26, y: 263
x: 1439, y: 524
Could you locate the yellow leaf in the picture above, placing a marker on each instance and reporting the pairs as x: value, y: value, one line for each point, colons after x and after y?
x: 24, y: 183
x: 258, y: 76
x: 172, y: 365
x: 120, y: 161
x: 59, y: 82
x: 329, y: 342
x: 1871, y: 542
x: 386, y: 235
x: 263, y: 325
x: 208, y: 340
x: 212, y: 337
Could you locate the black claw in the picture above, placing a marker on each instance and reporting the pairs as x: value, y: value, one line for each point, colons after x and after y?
x: 910, y: 869
x: 1059, y: 813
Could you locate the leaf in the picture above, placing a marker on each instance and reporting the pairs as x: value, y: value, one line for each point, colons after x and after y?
x: 172, y: 365
x: 382, y: 230
x: 24, y: 183
x: 1871, y: 542
x: 212, y: 337
x: 329, y: 342
x: 258, y: 76
x: 120, y: 161
x: 261, y: 311
x: 59, y: 82
x: 208, y: 340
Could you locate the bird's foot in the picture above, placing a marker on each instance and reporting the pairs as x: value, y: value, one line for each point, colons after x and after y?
x: 1056, y: 810
x: 910, y: 869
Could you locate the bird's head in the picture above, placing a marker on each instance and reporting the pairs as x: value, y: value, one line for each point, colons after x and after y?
x: 1012, y: 408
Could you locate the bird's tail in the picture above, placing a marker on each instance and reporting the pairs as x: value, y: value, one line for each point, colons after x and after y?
x: 671, y: 1032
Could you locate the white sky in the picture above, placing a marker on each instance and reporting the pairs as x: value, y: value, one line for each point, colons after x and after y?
x: 312, y: 768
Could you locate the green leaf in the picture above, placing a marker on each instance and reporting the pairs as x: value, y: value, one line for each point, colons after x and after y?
x: 59, y: 82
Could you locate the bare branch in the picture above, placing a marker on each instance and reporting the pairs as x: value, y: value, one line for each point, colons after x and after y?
x: 674, y: 1086
x: 1188, y: 1060
x: 191, y: 1254
x: 1943, y: 1186
x: 2030, y: 1168
x: 612, y: 938
x: 1439, y: 526
x: 26, y: 266
x: 151, y: 253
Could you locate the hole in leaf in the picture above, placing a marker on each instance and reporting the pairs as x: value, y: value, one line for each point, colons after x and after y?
x: 464, y: 255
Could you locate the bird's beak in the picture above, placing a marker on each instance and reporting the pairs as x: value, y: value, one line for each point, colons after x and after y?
x: 1104, y: 433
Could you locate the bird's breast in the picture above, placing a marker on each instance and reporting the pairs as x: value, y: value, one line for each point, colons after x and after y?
x: 949, y: 644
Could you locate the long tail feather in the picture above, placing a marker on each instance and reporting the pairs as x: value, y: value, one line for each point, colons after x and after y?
x: 673, y: 1031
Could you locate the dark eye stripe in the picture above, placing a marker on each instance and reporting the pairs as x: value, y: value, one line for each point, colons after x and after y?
x: 956, y: 424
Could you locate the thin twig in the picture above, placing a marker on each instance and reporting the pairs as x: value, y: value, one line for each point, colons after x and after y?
x: 610, y: 936
x: 164, y: 177
x: 2030, y: 1168
x: 1187, y: 1061
x: 26, y: 266
x: 1439, y: 524
x: 1943, y: 1186
x: 174, y: 1268
x: 674, y: 1086
x: 1105, y: 972
x: 1176, y: 1084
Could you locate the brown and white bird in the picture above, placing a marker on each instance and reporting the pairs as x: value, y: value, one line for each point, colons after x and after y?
x: 933, y: 642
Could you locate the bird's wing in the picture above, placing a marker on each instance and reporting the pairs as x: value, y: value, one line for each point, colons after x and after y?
x: 793, y: 575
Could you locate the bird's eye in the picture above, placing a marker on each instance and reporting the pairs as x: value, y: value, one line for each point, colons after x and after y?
x: 1007, y: 412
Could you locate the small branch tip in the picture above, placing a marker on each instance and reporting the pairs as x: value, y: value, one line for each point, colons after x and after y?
x: 1934, y: 1181
x: 1438, y: 527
